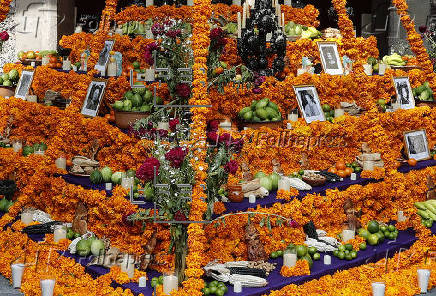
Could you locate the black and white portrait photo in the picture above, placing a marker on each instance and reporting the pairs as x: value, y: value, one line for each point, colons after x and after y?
x: 93, y: 98
x: 309, y: 103
x: 417, y: 145
x: 404, y: 92
x: 104, y: 55
x: 331, y: 61
x: 24, y: 84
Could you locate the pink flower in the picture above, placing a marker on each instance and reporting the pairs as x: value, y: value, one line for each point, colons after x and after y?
x: 176, y: 156
x: 183, y: 90
x: 173, y: 124
x: 231, y: 167
x: 147, y: 169
x: 4, y: 36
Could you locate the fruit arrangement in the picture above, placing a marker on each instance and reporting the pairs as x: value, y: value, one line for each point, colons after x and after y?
x: 344, y: 170
x: 269, y: 182
x: 261, y: 111
x: 10, y: 79
x: 394, y: 60
x: 215, y: 288
x: 347, y: 252
x: 231, y: 28
x: 423, y: 92
x: 71, y: 234
x: 296, y: 30
x: 375, y: 233
x: 427, y: 211
x: 381, y: 104
x: 93, y: 245
x: 304, y: 253
x: 329, y: 112
x: 157, y: 281
x: 27, y: 150
x: 137, y: 100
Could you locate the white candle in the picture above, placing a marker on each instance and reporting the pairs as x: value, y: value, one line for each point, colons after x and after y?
x: 17, y: 274
x: 190, y: 3
x: 26, y: 217
x: 108, y: 186
x: 423, y: 279
x: 239, y: 25
x: 61, y: 163
x: 353, y: 176
x: 301, y: 71
x: 288, y: 2
x: 327, y: 260
x: 382, y: 69
x: 237, y: 287
x: 347, y: 234
x: 17, y: 146
x: 170, y: 283
x: 60, y: 232
x: 78, y: 29
x: 289, y: 125
x: 47, y: 287
x: 252, y: 198
x: 293, y: 117
x: 149, y: 74
x: 236, y: 2
x: 401, y: 217
x: 226, y: 125
x: 289, y: 259
x: 142, y: 283
x: 339, y: 112
x: 367, y: 68
x: 284, y: 184
x: 66, y: 65
x: 378, y: 289
x: 245, y: 128
x: 368, y: 166
x: 32, y: 98
x: 165, y: 125
x: 148, y: 3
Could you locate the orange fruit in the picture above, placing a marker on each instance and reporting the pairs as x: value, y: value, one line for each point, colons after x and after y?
x: 333, y: 170
x: 412, y: 162
x: 434, y: 157
x: 342, y: 173
x: 340, y: 165
x: 348, y: 171
x: 69, y: 162
x: 53, y: 59
x: 219, y: 70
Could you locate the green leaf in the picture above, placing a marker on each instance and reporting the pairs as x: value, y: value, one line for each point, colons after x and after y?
x: 279, y: 222
x: 262, y: 222
x: 268, y: 223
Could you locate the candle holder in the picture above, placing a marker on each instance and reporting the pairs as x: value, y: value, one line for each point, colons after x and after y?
x: 170, y: 283
x: 423, y: 279
x: 27, y: 216
x: 17, y: 274
x: 293, y: 115
x: 378, y: 289
x: 61, y: 163
x: 47, y: 287
x: 60, y: 233
x: 142, y: 282
x: 17, y: 145
x: 237, y: 287
x: 289, y: 258
x: 348, y: 232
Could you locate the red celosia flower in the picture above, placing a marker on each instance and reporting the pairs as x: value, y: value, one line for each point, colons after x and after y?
x: 147, y: 169
x: 176, y: 156
x: 231, y: 167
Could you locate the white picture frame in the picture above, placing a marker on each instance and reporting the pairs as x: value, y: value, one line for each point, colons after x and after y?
x: 94, y: 96
x: 309, y: 104
x: 103, y: 57
x: 330, y: 58
x: 403, y: 89
x: 416, y: 145
x: 24, y: 84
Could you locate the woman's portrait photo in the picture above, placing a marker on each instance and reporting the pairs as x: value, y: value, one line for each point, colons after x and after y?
x: 93, y: 98
x: 331, y: 61
x: 24, y: 84
x: 404, y: 92
x: 416, y: 145
x: 104, y: 55
x: 309, y: 103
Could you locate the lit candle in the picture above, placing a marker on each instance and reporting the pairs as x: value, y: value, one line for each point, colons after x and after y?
x: 170, y: 283
x: 239, y: 25
x: 353, y: 177
x: 66, y: 65
x: 289, y: 125
x: 293, y: 117
x: 339, y: 112
x: 382, y: 69
x: 17, y: 274
x: 61, y: 163
x: 301, y: 71
x: 284, y: 184
x: 289, y: 259
x: 148, y: 3
x: 27, y: 217
x: 347, y: 234
x: 47, y: 287
x: 17, y: 146
x: 401, y: 217
x: 60, y: 232
x: 327, y: 260
x: 252, y: 198
x: 142, y: 283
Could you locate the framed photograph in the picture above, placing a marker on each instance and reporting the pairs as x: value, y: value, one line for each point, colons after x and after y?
x: 24, y: 84
x: 93, y: 98
x: 104, y: 55
x: 416, y: 145
x: 330, y: 59
x: 308, y: 101
x: 404, y: 92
